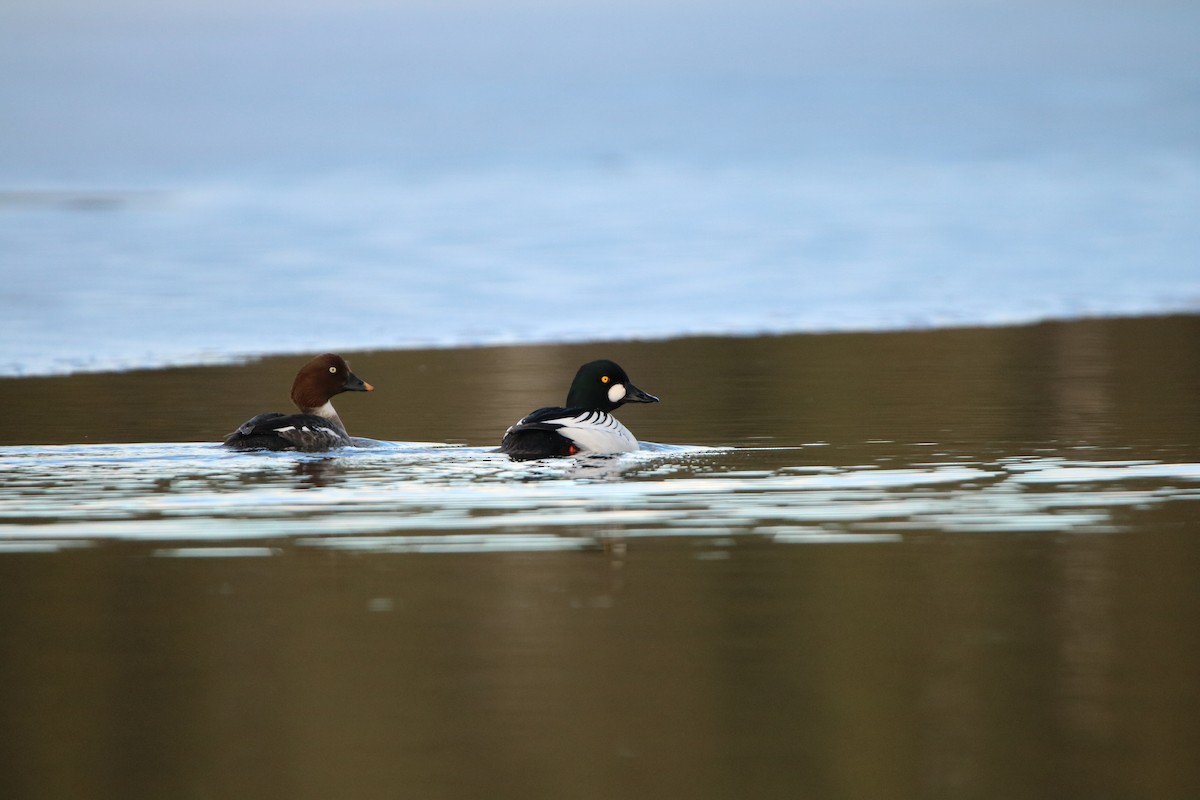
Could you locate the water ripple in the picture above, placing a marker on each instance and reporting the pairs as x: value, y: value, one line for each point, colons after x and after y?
x: 426, y: 498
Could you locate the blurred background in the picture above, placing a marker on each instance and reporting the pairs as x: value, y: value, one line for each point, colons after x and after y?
x: 192, y: 183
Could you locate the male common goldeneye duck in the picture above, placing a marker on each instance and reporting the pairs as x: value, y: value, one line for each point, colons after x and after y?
x: 585, y: 424
x: 317, y: 426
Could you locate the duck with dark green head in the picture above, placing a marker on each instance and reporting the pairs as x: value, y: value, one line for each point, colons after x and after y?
x: 586, y: 424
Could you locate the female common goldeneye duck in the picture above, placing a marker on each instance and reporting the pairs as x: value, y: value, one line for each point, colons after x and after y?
x: 317, y: 426
x: 585, y: 424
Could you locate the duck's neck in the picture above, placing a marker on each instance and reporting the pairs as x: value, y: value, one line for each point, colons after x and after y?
x: 327, y: 412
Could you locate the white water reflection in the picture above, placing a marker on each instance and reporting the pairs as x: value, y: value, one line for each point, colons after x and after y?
x: 419, y: 497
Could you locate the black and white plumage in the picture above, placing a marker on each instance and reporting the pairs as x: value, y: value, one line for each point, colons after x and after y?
x: 317, y: 427
x: 585, y: 424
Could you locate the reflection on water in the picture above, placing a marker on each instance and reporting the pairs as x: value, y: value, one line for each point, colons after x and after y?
x: 941, y: 564
x: 412, y: 498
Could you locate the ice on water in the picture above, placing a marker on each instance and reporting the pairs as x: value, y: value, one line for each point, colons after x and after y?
x: 356, y: 177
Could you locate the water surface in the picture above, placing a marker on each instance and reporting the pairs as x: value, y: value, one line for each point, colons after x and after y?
x: 932, y: 564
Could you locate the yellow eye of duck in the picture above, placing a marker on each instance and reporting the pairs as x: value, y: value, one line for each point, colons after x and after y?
x: 604, y: 379
x: 333, y: 369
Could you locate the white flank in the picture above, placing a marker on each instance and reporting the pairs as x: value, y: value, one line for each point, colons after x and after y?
x: 597, y: 432
x: 285, y: 430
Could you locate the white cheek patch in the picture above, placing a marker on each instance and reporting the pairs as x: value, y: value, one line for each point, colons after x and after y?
x: 616, y: 392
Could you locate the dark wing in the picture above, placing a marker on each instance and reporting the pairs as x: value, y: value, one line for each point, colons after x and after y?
x: 536, y: 435
x: 550, y: 418
x: 275, y: 431
x: 259, y: 424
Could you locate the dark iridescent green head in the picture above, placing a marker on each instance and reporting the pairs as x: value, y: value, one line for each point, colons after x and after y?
x: 604, y: 386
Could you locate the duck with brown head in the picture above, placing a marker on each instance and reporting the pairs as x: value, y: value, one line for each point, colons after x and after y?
x: 317, y: 427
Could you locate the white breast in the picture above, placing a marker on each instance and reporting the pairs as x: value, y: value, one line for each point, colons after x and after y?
x: 597, y: 432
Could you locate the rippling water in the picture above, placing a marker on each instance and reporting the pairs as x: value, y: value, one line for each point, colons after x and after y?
x: 391, y: 497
